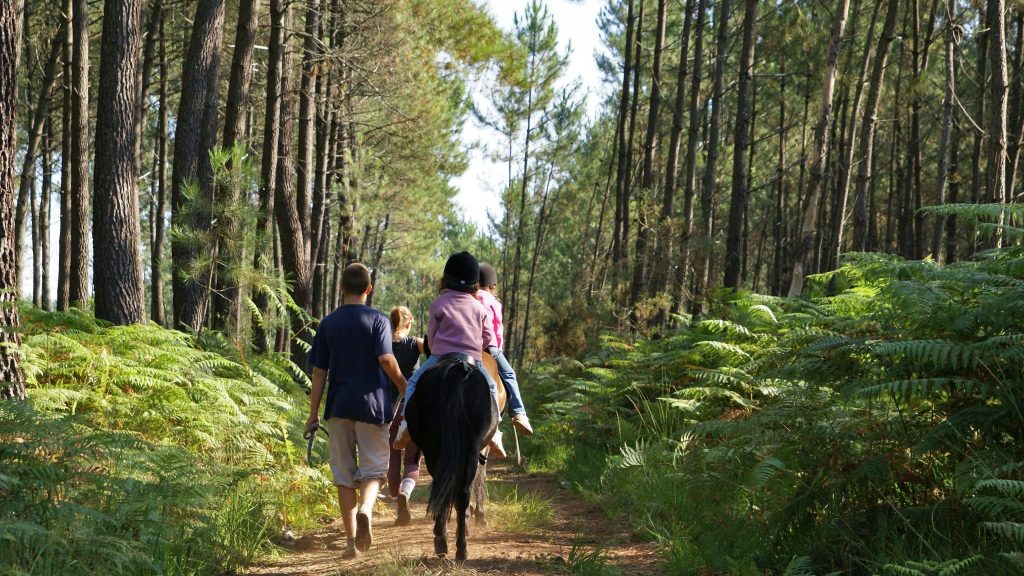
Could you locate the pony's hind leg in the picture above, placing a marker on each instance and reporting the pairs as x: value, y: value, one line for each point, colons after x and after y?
x: 480, y: 490
x: 462, y: 513
x: 441, y: 535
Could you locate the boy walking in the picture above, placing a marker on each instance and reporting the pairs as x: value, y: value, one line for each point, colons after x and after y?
x: 352, y: 347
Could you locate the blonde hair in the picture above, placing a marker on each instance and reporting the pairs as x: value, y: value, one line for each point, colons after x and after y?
x: 400, y: 317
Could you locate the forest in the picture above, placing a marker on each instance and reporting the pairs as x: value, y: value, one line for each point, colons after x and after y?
x: 764, y: 286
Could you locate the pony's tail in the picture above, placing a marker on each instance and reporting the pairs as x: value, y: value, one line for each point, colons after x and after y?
x: 457, y: 462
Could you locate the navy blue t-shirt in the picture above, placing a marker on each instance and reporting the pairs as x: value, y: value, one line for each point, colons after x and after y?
x: 347, y: 345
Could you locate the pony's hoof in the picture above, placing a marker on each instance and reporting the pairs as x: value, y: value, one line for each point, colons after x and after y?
x: 440, y: 547
x: 481, y: 520
x: 461, y: 555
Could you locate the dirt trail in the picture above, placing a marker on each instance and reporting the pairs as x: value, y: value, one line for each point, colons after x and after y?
x: 493, y: 550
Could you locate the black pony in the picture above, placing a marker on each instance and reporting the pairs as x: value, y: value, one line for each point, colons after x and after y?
x: 451, y: 418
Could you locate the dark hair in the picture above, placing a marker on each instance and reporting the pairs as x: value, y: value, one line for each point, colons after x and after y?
x: 355, y: 279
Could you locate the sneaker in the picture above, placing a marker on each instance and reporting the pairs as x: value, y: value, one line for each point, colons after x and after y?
x: 496, y: 446
x: 404, y: 517
x: 402, y: 437
x: 364, y: 532
x: 522, y: 423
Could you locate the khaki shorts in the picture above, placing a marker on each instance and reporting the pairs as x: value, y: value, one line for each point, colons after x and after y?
x: 372, y: 441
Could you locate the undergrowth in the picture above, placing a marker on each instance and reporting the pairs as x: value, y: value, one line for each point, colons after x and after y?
x: 143, y: 451
x: 874, y: 431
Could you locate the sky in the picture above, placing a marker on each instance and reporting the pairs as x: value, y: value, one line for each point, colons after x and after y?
x: 480, y: 186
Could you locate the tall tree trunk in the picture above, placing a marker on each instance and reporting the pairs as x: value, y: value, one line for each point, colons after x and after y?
x: 870, y: 126
x: 538, y: 245
x: 947, y: 130
x: 263, y: 257
x: 779, y: 228
x: 821, y: 147
x: 634, y: 108
x: 78, y: 288
x: 64, y: 239
x: 304, y: 167
x: 194, y: 137
x: 843, y: 192
x: 622, y: 169
x: 707, y: 197
x: 954, y: 190
x: 696, y: 119
x: 513, y: 304
x: 117, y: 270
x: 978, y: 180
x: 156, y: 15
x: 663, y: 254
x: 647, y: 170
x: 12, y: 381
x: 741, y: 142
x: 156, y: 275
x: 227, y: 305
x: 997, y: 127
x: 294, y: 252
x: 44, y: 218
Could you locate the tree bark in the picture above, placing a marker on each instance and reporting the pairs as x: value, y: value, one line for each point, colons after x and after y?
x: 663, y: 253
x: 622, y: 169
x: 194, y: 137
x: 741, y: 142
x: 156, y: 277
x: 843, y: 191
x: 640, y: 280
x: 78, y: 288
x: 44, y: 218
x: 263, y: 257
x: 66, y: 190
x: 869, y: 128
x: 12, y: 381
x: 947, y: 130
x: 707, y: 197
x: 696, y: 119
x: 821, y: 145
x: 997, y: 127
x: 117, y: 270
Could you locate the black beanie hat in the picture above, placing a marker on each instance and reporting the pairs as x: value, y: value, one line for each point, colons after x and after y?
x: 488, y: 275
x: 462, y: 271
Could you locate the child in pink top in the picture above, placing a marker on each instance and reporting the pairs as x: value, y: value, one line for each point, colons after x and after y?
x: 457, y: 323
x: 488, y: 297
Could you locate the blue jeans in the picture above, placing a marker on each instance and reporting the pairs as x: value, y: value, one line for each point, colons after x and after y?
x: 410, y: 387
x: 508, y: 378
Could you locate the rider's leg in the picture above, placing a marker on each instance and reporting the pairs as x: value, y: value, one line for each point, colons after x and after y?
x: 395, y: 460
x: 410, y: 387
x: 508, y: 378
x: 402, y: 435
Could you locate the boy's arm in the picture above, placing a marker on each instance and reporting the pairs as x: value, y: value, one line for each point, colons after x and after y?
x: 315, y: 395
x: 390, y: 366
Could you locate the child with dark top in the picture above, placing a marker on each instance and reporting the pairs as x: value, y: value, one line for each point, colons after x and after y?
x: 457, y: 324
x: 407, y: 350
x: 488, y: 296
x: 352, y: 348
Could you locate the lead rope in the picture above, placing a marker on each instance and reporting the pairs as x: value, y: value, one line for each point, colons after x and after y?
x: 310, y: 437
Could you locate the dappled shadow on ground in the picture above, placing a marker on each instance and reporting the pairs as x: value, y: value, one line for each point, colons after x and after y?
x: 410, y: 550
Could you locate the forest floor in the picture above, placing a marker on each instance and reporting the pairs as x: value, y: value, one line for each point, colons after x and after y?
x: 537, y: 526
